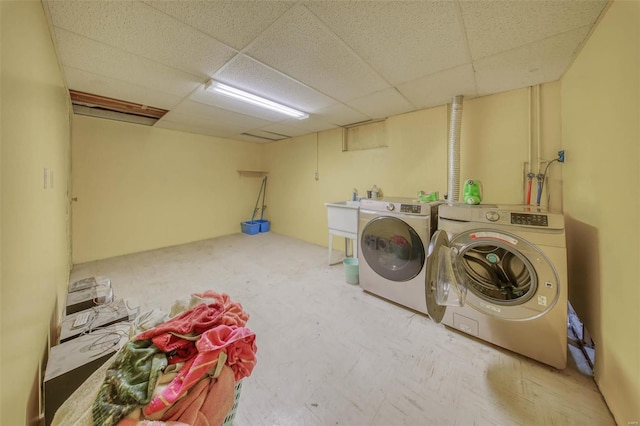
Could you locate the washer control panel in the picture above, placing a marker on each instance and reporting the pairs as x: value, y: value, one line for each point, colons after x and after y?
x: 529, y: 219
x: 492, y: 216
x: 410, y: 208
x: 507, y: 215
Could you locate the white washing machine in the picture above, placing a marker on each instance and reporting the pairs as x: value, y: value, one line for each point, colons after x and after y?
x: 499, y: 273
x: 393, y: 239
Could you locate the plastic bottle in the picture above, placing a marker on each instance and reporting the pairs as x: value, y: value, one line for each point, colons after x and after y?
x: 355, y: 195
x: 374, y: 192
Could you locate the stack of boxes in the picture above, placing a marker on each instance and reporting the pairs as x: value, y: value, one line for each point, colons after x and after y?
x: 92, y: 330
x: 88, y: 293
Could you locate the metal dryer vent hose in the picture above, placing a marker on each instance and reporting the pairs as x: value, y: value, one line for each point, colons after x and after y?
x: 453, y: 193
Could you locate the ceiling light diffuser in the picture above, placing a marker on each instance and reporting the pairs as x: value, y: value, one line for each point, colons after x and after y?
x: 223, y: 89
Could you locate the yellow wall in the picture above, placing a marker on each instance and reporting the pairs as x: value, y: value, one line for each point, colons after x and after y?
x: 35, y: 242
x: 140, y: 188
x: 494, y: 146
x: 132, y: 181
x: 601, y: 132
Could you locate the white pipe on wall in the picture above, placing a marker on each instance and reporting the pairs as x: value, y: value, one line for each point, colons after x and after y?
x: 530, y: 144
x: 538, y: 127
x: 453, y: 193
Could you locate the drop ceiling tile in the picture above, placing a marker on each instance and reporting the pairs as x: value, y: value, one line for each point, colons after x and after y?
x: 225, y: 102
x: 219, y: 116
x: 191, y: 128
x: 248, y: 138
x: 248, y: 74
x: 234, y: 23
x: 494, y: 27
x: 303, y: 48
x: 137, y: 28
x: 311, y: 124
x: 441, y: 87
x: 88, y: 55
x: 88, y: 82
x: 265, y: 135
x: 341, y: 115
x: 214, y: 127
x: 284, y: 129
x: 382, y: 104
x: 532, y: 64
x: 402, y: 40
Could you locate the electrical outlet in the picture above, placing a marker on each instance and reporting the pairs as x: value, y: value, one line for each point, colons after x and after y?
x: 316, y: 176
x: 561, y: 156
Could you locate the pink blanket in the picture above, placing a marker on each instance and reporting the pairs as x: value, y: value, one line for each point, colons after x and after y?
x: 237, y: 342
x: 174, y: 336
x: 207, y: 403
x: 232, y: 311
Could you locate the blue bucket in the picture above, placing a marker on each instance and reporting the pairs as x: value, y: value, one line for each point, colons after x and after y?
x: 264, y: 224
x: 250, y: 227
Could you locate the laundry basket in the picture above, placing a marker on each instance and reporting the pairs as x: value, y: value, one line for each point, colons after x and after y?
x: 236, y: 398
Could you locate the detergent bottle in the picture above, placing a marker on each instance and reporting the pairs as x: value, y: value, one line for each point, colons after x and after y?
x: 472, y: 191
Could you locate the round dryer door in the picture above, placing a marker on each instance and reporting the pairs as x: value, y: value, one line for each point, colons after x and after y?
x: 508, y: 277
x: 392, y: 248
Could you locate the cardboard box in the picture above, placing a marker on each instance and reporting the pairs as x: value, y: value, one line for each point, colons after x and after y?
x: 100, y: 316
x: 88, y: 298
x: 89, y: 282
x: 72, y: 362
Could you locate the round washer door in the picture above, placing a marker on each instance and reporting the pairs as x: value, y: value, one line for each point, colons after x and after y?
x: 507, y: 276
x: 392, y: 248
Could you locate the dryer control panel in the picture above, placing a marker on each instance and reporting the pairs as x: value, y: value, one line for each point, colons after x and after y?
x: 400, y: 205
x: 529, y: 219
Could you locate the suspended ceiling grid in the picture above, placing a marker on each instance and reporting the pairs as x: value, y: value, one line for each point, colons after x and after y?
x: 343, y: 62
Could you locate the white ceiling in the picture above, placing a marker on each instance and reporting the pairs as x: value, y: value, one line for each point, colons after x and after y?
x: 342, y: 62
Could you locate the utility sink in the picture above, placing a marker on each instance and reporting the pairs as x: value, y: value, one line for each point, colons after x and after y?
x: 343, y: 216
x: 343, y: 222
x: 348, y: 203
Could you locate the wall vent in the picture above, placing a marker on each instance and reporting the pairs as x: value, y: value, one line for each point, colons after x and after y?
x: 269, y: 136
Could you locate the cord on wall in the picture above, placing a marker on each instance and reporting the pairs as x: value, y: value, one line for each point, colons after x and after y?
x: 317, y: 175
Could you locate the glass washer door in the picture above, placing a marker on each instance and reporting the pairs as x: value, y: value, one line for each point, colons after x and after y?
x: 392, y: 248
x: 497, y: 272
x: 445, y: 282
x: 497, y: 268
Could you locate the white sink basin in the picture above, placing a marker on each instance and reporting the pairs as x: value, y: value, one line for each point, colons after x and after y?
x: 343, y: 218
x: 349, y: 203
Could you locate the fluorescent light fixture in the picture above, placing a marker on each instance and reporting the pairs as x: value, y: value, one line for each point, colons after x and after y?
x: 223, y: 89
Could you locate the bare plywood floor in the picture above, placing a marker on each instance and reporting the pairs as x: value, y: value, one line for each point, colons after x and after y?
x: 330, y: 354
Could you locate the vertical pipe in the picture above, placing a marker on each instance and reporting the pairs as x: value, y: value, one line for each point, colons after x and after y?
x: 453, y: 194
x: 528, y: 174
x: 538, y: 126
